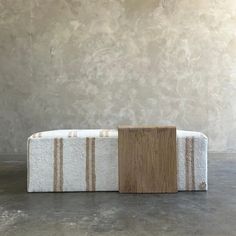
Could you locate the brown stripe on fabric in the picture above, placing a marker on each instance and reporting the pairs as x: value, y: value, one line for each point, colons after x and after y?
x: 87, y: 165
x: 58, y: 165
x: 93, y: 164
x: 55, y: 165
x: 34, y: 136
x: 61, y: 164
x: 189, y: 163
x: 90, y: 164
x: 192, y: 165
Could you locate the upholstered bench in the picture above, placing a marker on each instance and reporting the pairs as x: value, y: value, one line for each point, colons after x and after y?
x: 87, y: 160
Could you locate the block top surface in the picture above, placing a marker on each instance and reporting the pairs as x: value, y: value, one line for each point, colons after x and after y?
x: 146, y: 127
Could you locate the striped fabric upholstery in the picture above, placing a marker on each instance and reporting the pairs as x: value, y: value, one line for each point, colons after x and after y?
x: 87, y: 160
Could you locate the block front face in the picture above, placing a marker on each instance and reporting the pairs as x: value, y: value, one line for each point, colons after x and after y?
x: 147, y: 159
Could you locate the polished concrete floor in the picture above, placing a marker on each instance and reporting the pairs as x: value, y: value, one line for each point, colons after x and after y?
x: 201, y: 213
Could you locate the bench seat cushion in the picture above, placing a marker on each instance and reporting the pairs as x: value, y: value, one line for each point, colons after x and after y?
x: 87, y: 160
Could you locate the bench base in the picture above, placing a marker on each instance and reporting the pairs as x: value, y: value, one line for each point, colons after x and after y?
x: 87, y: 160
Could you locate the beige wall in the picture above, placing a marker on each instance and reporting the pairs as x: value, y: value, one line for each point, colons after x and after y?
x: 100, y: 63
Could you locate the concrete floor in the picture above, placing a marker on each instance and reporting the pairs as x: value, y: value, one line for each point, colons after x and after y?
x: 211, y: 213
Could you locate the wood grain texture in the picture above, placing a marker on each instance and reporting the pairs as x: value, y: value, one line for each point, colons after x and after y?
x: 147, y: 159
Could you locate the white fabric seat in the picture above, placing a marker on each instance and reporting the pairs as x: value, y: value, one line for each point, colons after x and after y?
x: 87, y: 160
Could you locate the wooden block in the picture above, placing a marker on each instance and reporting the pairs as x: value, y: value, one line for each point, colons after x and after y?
x: 147, y: 159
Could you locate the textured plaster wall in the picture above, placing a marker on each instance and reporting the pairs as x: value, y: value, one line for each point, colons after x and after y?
x: 101, y: 63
